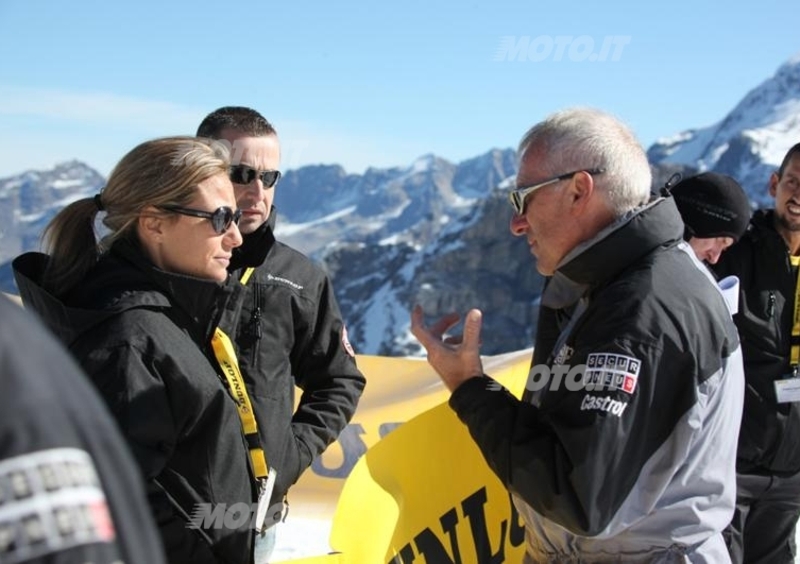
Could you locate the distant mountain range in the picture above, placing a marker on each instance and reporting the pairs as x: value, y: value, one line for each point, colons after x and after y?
x: 748, y: 143
x: 435, y: 232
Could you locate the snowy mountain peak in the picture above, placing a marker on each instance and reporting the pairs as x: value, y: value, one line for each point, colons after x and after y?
x: 30, y: 199
x: 750, y: 141
x: 423, y: 163
x: 794, y: 60
x: 33, y: 187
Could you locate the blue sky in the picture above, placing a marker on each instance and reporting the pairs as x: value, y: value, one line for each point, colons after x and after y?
x: 368, y: 83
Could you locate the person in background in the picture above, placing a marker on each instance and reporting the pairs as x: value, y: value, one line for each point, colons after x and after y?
x: 290, y: 332
x: 139, y: 310
x: 69, y: 489
x: 766, y: 262
x: 715, y: 210
x: 622, y: 447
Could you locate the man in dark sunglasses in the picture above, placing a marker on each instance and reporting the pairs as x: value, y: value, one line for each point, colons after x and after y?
x: 244, y: 175
x: 255, y: 163
x: 290, y: 331
x: 623, y: 445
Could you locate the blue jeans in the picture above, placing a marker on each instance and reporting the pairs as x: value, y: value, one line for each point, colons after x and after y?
x: 264, y: 544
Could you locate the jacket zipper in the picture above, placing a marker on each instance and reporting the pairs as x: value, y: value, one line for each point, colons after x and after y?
x: 255, y: 320
x: 771, y: 305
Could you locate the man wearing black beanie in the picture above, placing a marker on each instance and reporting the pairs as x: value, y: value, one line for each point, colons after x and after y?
x: 715, y: 210
x: 766, y: 261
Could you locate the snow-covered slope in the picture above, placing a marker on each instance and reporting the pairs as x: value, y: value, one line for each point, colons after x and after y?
x: 750, y: 142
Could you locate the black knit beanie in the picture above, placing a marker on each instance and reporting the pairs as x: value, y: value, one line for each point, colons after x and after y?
x: 712, y: 205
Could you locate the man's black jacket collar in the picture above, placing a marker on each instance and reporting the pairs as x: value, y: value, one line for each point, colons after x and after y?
x: 604, y: 256
x: 255, y: 246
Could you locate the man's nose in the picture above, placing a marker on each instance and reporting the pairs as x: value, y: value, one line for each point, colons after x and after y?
x: 252, y: 190
x: 712, y: 256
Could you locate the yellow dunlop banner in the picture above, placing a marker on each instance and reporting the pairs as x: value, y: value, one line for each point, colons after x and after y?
x: 418, y: 492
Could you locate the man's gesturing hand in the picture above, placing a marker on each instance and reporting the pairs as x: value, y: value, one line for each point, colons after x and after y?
x: 455, y: 359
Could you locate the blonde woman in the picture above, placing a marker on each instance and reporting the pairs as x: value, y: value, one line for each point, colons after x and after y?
x: 138, y: 311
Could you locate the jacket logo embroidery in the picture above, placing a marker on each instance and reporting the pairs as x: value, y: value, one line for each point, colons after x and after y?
x: 564, y: 354
x: 50, y: 501
x: 609, y: 371
x: 285, y: 281
x: 612, y: 406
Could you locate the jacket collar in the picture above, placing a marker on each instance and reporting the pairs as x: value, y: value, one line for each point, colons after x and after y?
x: 196, y: 297
x: 123, y: 279
x: 762, y: 226
x: 66, y: 322
x: 255, y: 246
x: 601, y: 258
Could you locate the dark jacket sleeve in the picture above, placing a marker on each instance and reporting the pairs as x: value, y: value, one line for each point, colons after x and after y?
x: 131, y: 383
x: 574, y: 465
x: 51, y: 417
x: 325, y: 369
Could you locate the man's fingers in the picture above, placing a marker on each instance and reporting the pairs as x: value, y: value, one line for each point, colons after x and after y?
x: 416, y: 317
x: 453, y: 340
x: 472, y: 329
x: 454, y: 358
x: 430, y: 337
x: 442, y: 325
x: 418, y: 326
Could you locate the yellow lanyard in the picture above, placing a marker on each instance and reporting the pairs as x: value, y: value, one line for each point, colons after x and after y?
x: 249, y: 272
x: 226, y: 356
x: 795, y: 354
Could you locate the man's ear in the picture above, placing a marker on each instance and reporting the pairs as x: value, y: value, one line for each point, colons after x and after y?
x: 581, y: 189
x: 773, y: 184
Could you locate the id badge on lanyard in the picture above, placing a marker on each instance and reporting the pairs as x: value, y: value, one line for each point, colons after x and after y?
x: 264, y: 495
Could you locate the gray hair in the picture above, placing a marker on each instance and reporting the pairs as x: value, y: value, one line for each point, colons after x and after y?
x: 584, y: 138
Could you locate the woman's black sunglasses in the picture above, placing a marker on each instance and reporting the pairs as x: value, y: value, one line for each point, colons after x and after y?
x: 242, y: 174
x: 221, y: 218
